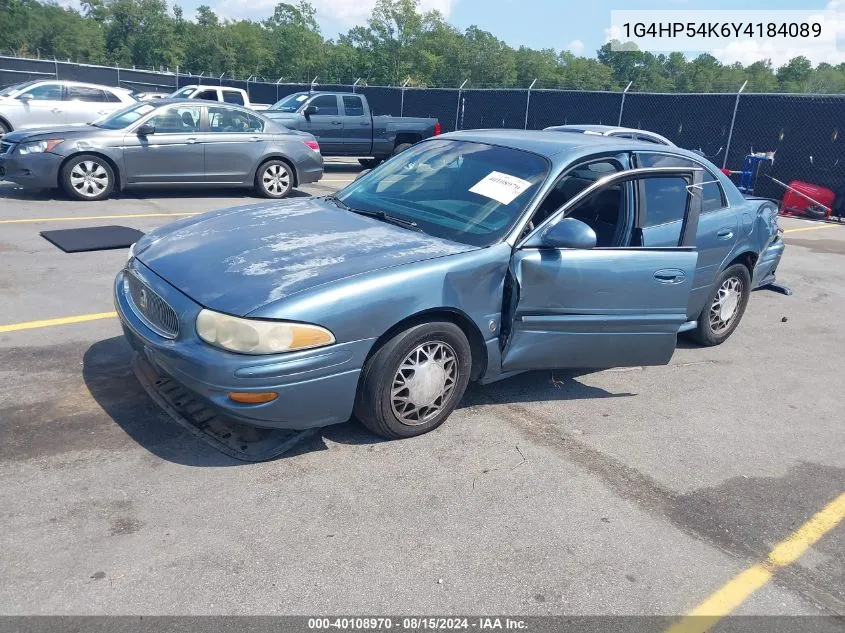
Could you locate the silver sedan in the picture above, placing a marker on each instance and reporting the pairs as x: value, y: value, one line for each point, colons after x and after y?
x: 168, y: 142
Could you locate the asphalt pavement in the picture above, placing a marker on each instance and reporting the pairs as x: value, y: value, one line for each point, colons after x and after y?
x: 630, y: 491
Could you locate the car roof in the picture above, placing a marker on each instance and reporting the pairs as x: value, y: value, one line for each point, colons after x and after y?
x: 83, y: 84
x: 563, y: 147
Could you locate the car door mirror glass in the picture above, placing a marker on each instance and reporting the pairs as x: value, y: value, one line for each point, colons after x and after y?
x: 567, y: 233
x: 146, y: 129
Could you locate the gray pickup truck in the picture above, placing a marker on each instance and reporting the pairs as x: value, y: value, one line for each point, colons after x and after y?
x: 345, y: 126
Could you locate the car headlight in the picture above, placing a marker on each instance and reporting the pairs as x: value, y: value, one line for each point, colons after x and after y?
x: 251, y: 336
x: 38, y: 147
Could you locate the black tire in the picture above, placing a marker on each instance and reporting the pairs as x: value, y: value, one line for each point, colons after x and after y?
x: 4, y: 129
x: 713, y: 328
x: 274, y: 179
x: 443, y: 344
x: 87, y: 177
x: 401, y: 147
x: 369, y: 163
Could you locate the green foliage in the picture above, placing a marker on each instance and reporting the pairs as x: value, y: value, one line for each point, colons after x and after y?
x: 398, y: 44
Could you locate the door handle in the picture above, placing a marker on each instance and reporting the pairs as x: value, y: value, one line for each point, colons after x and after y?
x: 725, y: 234
x: 337, y: 123
x: 192, y: 141
x: 670, y: 276
x: 365, y: 124
x: 254, y: 139
x: 56, y: 111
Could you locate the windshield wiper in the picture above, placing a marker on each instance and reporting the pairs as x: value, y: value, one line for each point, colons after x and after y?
x: 338, y: 202
x: 379, y: 215
x: 386, y: 217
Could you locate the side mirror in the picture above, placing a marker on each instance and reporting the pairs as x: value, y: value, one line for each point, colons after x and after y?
x: 26, y: 97
x: 309, y: 110
x: 567, y: 233
x: 146, y: 129
x: 362, y: 173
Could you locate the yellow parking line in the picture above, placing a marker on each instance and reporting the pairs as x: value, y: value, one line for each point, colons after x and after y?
x: 97, y: 217
x: 14, y: 327
x: 740, y: 587
x: 810, y: 228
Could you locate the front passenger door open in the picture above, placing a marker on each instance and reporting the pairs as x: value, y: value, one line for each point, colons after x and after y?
x: 601, y: 307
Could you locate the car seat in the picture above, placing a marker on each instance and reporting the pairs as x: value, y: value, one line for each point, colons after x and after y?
x: 188, y: 120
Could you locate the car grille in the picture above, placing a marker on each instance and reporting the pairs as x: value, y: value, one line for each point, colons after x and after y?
x: 152, y: 309
x: 5, y: 148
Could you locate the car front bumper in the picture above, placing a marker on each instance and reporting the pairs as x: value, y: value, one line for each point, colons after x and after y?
x: 315, y: 387
x: 33, y: 171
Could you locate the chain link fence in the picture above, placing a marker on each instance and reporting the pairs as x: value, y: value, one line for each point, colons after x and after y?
x: 803, y: 131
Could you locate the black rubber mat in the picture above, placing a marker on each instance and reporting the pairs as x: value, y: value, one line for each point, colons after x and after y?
x: 95, y: 238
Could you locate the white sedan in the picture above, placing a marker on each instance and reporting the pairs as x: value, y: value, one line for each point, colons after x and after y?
x: 49, y: 102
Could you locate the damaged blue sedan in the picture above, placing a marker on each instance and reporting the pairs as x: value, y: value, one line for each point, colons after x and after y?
x: 468, y: 257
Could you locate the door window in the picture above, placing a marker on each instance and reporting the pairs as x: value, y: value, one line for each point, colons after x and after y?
x: 326, y: 105
x: 177, y: 120
x: 232, y: 121
x: 662, y: 209
x: 233, y: 96
x: 44, y: 92
x: 712, y: 194
x: 83, y: 93
x: 353, y: 106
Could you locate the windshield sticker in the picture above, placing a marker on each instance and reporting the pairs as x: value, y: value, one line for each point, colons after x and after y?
x: 500, y: 187
x: 301, y: 98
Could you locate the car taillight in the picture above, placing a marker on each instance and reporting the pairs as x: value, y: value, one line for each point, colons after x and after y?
x: 437, y: 129
x: 313, y: 145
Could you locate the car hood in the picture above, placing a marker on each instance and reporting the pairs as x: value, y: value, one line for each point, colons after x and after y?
x: 238, y: 260
x: 41, y: 133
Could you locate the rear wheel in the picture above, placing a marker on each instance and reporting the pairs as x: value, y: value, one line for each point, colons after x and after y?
x: 274, y: 179
x: 87, y: 177
x: 414, y: 381
x: 401, y: 147
x: 725, y: 306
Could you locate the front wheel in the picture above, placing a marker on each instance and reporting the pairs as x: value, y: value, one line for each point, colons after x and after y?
x: 414, y: 381
x: 725, y: 306
x: 87, y: 177
x: 274, y: 179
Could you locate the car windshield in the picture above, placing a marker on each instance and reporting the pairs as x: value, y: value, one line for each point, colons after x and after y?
x: 467, y: 192
x: 10, y: 90
x: 290, y: 103
x: 184, y: 93
x: 124, y: 118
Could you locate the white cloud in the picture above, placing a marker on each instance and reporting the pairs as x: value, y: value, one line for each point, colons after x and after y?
x: 576, y: 47
x: 333, y: 15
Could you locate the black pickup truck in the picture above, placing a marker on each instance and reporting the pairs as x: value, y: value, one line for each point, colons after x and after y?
x: 345, y: 126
